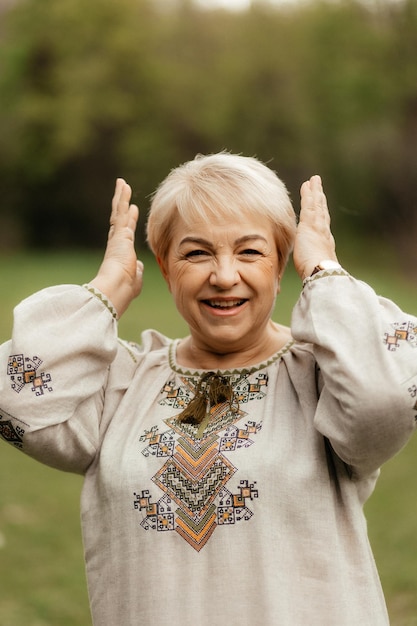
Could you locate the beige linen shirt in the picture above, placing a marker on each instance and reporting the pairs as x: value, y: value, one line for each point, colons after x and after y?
x: 257, y: 519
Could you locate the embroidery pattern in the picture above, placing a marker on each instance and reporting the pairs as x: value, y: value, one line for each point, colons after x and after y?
x: 413, y: 393
x: 10, y: 433
x: 103, y: 299
x: 196, y: 471
x: 403, y: 331
x: 232, y: 507
x: 23, y: 371
x: 323, y: 274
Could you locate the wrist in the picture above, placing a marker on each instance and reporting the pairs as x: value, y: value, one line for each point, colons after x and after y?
x: 323, y: 265
x: 103, y: 298
x: 116, y: 293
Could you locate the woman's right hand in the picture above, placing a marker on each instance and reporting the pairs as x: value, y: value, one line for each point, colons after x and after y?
x: 120, y: 274
x: 314, y: 241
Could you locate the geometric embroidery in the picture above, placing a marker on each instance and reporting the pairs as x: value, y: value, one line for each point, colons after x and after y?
x: 158, y: 516
x: 403, y: 331
x: 23, y: 371
x: 243, y: 390
x: 195, y: 473
x: 235, y: 438
x: 232, y: 508
x: 412, y: 390
x: 11, y: 434
x: 407, y: 332
x: 177, y: 398
x: 194, y: 493
x: 158, y: 445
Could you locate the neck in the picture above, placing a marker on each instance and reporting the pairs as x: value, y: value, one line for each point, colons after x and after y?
x: 194, y: 354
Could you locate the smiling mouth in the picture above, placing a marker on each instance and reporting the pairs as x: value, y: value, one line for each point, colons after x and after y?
x: 224, y: 304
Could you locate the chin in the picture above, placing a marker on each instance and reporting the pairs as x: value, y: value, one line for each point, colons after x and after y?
x: 222, y: 344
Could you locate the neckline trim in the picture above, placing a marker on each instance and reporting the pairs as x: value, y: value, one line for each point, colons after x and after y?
x: 184, y: 371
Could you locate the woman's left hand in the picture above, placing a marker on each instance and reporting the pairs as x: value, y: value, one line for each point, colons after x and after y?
x: 314, y: 241
x: 120, y: 274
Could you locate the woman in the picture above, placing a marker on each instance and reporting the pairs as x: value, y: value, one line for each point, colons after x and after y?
x: 225, y: 473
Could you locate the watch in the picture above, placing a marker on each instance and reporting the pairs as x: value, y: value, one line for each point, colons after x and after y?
x: 327, y: 264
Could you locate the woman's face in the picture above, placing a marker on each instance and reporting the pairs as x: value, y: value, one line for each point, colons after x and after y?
x: 224, y: 277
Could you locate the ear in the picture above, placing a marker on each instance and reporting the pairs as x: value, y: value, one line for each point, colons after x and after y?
x: 164, y: 271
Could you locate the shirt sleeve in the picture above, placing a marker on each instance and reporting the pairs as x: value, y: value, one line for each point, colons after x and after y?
x: 53, y: 374
x: 366, y: 350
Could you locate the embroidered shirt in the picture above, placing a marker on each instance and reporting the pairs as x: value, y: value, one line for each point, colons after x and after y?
x: 254, y: 517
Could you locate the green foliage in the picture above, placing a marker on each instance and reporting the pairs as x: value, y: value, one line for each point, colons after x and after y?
x: 91, y: 91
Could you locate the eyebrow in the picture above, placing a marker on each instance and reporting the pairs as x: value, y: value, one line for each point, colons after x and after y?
x: 205, y: 242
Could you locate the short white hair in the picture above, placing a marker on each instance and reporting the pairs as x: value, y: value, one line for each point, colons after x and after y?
x: 221, y: 184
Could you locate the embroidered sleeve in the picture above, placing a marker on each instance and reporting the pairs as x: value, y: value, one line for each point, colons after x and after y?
x: 52, y: 375
x: 324, y: 274
x: 366, y: 349
x: 102, y: 299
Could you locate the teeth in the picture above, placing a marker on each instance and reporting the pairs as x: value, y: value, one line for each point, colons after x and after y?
x: 221, y: 304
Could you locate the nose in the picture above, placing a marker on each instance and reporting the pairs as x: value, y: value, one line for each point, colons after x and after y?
x: 224, y: 273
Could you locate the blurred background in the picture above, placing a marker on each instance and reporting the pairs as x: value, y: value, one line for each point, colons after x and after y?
x: 92, y: 90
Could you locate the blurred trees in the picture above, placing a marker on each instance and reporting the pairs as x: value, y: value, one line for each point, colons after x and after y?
x: 94, y: 90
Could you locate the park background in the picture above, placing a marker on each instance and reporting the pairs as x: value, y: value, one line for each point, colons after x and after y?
x: 94, y: 90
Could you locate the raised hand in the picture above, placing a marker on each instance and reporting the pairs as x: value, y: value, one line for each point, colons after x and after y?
x: 314, y: 241
x: 120, y: 274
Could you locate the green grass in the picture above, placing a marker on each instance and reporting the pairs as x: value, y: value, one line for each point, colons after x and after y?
x: 41, y: 563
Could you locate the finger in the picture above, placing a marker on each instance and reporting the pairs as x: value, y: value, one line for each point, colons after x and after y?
x: 311, y: 191
x: 125, y: 226
x: 313, y: 200
x: 120, y: 206
x: 317, y: 192
x: 133, y: 217
x: 116, y: 198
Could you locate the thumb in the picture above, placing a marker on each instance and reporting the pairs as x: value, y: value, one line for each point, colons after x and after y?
x: 139, y: 277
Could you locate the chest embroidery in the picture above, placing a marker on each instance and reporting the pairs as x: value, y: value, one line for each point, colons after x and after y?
x: 197, y: 468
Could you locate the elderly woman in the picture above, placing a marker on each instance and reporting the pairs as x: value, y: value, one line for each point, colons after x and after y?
x: 226, y: 472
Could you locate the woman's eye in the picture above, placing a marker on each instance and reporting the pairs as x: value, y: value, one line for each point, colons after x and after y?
x: 251, y: 252
x: 195, y: 253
